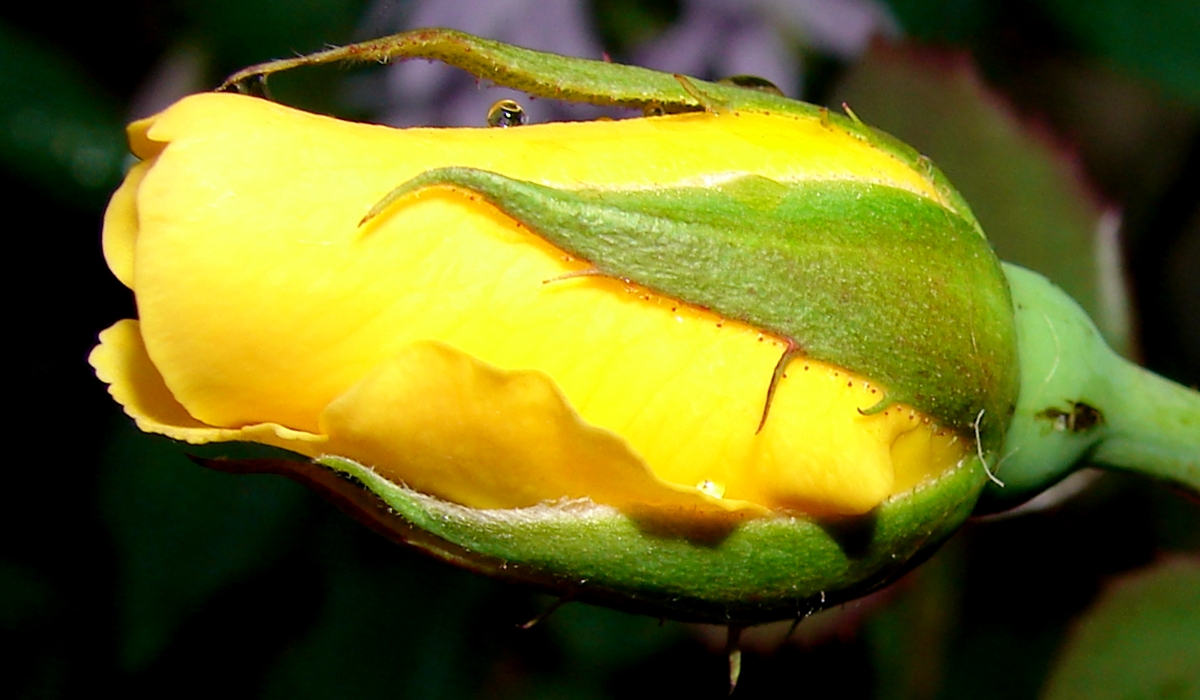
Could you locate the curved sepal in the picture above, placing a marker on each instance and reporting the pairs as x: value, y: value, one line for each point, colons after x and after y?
x: 759, y: 571
x: 878, y: 280
x: 603, y: 83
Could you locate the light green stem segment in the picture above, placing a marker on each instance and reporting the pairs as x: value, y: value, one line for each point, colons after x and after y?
x: 1080, y: 403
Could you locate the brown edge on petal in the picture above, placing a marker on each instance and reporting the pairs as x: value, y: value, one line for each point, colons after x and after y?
x: 350, y: 497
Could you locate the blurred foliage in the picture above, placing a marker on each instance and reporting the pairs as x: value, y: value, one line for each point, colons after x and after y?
x: 1154, y: 39
x: 58, y: 129
x: 241, y: 33
x: 183, y: 534
x: 623, y: 24
x: 944, y: 21
x: 126, y: 568
x: 1140, y: 639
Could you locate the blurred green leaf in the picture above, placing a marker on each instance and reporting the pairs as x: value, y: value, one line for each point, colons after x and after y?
x: 1158, y: 40
x: 993, y: 662
x: 626, y: 23
x: 398, y: 626
x: 600, y: 641
x: 1141, y: 639
x: 955, y: 21
x: 236, y: 34
x: 24, y: 595
x: 1027, y: 192
x: 56, y: 128
x: 922, y: 616
x: 240, y: 33
x: 182, y: 533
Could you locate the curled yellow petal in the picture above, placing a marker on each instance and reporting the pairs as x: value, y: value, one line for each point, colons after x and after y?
x: 120, y: 360
x: 121, y: 225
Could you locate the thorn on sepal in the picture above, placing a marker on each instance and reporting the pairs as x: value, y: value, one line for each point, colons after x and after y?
x: 734, y: 650
x: 880, y: 406
x: 532, y: 622
x: 791, y: 351
x: 709, y: 104
x: 575, y: 274
x: 252, y: 85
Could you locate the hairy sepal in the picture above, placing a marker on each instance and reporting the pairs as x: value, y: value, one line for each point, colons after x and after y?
x: 883, y: 282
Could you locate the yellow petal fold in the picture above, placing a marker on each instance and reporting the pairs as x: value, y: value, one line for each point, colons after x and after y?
x: 442, y: 422
x: 120, y: 360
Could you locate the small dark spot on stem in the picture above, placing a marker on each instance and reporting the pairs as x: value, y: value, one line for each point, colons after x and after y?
x: 1080, y: 418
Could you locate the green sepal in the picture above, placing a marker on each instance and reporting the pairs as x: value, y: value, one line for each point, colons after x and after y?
x: 874, y: 279
x: 602, y: 83
x: 759, y: 571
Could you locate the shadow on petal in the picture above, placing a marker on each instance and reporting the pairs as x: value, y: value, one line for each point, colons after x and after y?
x: 442, y: 422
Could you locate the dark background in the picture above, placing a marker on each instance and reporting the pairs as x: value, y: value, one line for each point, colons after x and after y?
x: 126, y: 568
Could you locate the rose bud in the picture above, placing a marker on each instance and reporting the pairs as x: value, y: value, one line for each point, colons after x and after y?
x: 731, y: 363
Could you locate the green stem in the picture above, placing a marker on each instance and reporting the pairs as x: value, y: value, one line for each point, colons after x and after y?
x: 1080, y: 403
x: 1153, y: 426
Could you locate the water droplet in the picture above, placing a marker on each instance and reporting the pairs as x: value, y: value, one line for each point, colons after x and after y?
x: 506, y: 113
x: 752, y: 82
x: 653, y: 109
x: 711, y: 488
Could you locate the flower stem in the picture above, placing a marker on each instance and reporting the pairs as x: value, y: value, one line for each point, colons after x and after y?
x: 1080, y: 403
x: 1153, y: 426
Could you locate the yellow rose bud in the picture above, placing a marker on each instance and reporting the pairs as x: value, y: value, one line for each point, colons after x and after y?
x: 731, y: 363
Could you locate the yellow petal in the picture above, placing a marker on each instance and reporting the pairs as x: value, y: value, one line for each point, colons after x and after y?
x: 120, y: 361
x: 140, y: 142
x: 262, y: 302
x: 121, y: 225
x: 444, y: 423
